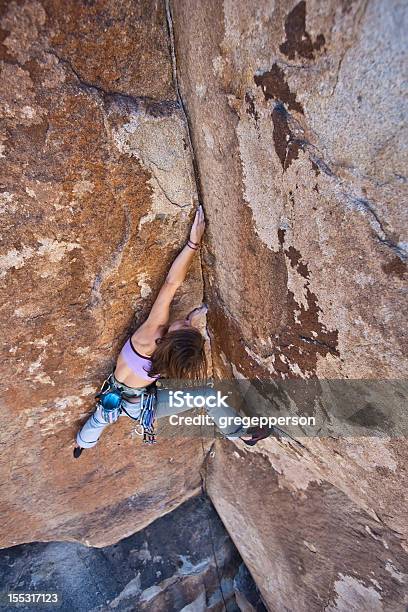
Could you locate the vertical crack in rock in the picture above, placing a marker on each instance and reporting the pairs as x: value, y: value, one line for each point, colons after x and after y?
x: 173, y: 56
x: 196, y: 172
x: 197, y: 179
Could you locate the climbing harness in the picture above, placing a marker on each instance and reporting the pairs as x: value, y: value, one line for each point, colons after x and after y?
x: 111, y: 400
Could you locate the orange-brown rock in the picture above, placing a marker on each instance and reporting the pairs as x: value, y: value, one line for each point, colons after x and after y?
x: 296, y: 111
x: 97, y: 195
x: 296, y: 116
x: 306, y: 543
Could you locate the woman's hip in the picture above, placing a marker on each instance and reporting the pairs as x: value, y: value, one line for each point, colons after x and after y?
x: 128, y: 392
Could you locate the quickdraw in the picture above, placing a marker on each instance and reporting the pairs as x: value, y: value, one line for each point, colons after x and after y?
x: 147, y: 417
x: 145, y: 426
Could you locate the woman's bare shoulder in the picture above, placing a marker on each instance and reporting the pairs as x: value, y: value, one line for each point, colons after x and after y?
x: 144, y: 337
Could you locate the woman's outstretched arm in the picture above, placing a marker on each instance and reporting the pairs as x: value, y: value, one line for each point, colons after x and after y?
x: 181, y: 264
x: 159, y: 314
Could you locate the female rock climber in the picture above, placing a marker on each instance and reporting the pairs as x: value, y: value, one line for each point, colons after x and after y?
x: 159, y: 349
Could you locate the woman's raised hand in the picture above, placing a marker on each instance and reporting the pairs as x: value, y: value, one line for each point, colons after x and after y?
x: 198, y: 227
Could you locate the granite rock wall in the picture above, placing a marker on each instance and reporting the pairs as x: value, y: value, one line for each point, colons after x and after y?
x: 297, y: 116
x: 96, y: 196
x: 295, y: 112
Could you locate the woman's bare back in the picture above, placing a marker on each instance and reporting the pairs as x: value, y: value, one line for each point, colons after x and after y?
x: 144, y: 345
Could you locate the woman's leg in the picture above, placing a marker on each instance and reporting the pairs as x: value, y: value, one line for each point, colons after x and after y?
x: 224, y: 417
x: 131, y: 408
x: 90, y: 432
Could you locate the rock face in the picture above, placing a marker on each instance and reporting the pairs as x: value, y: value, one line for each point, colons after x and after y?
x: 296, y: 116
x: 296, y: 112
x: 96, y: 197
x: 170, y: 565
x: 308, y: 545
x: 300, y: 150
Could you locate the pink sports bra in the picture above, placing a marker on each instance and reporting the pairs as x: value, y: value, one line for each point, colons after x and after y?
x: 139, y: 364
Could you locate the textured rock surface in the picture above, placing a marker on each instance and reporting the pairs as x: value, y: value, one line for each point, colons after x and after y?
x: 168, y: 566
x: 96, y: 195
x: 297, y: 111
x: 308, y: 546
x: 296, y: 117
x: 302, y: 160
